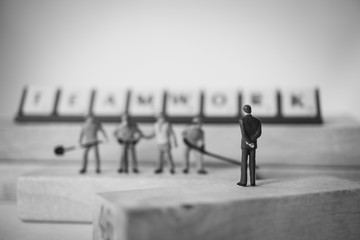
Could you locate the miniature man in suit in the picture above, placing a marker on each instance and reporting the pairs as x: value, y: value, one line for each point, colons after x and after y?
x: 163, y: 132
x: 128, y: 134
x: 250, y: 131
x: 88, y: 139
x: 193, y: 134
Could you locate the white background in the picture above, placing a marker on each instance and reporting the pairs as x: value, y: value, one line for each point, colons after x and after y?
x: 187, y: 43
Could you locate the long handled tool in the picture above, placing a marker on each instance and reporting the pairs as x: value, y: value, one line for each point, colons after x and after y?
x: 229, y: 160
x: 60, y: 150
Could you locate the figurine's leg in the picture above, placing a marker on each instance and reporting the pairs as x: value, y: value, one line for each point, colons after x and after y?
x: 243, y: 179
x: 161, y: 159
x: 126, y: 158
x: 252, y: 167
x: 85, y: 160
x: 172, y: 164
x: 201, y: 163
x: 187, y: 160
x: 134, y: 159
x: 97, y: 157
x: 122, y: 158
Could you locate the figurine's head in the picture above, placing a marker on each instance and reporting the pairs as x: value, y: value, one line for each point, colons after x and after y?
x: 197, y: 121
x: 247, y: 109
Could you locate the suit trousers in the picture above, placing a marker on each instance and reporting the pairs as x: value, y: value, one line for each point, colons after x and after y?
x: 248, y: 153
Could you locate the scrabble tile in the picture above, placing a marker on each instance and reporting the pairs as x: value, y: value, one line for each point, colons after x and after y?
x: 298, y: 102
x: 183, y: 102
x: 74, y: 101
x: 146, y: 102
x: 262, y: 101
x: 218, y: 106
x: 39, y: 100
x: 110, y: 102
x: 221, y: 102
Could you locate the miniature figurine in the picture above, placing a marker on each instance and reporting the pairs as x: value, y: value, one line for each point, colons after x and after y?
x: 194, y: 135
x: 163, y: 132
x: 250, y: 131
x: 128, y: 134
x: 88, y: 139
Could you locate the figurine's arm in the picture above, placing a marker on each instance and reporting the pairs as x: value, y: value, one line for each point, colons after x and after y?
x: 116, y: 131
x: 243, y: 132
x: 149, y: 136
x: 183, y: 133
x: 245, y: 135
x: 101, y: 129
x: 81, y: 136
x: 116, y: 135
x: 138, y: 134
x: 257, y: 134
x: 172, y: 133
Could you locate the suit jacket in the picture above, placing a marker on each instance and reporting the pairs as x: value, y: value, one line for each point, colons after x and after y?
x: 250, y: 130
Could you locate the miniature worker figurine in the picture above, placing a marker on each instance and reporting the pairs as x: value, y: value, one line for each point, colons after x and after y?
x: 128, y: 134
x: 250, y: 131
x: 194, y: 135
x: 163, y: 132
x: 89, y: 139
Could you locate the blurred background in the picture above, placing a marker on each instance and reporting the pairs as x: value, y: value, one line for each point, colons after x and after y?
x: 187, y: 43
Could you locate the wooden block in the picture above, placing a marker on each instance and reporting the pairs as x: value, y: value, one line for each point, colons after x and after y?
x: 9, y: 174
x: 220, y: 106
x: 310, y: 208
x: 263, y: 101
x: 299, y: 102
x: 290, y: 171
x: 74, y: 101
x: 62, y: 195
x: 185, y: 103
x: 221, y: 103
x: 39, y: 101
x: 146, y: 102
x: 110, y: 101
x: 12, y: 228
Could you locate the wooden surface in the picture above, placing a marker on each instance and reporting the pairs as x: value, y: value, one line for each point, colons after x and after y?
x: 334, y: 143
x: 27, y: 147
x: 62, y: 195
x: 306, y: 208
x: 12, y: 228
x: 285, y: 152
x: 9, y: 174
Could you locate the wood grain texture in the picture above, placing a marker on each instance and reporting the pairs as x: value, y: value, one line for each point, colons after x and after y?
x: 63, y: 195
x: 307, y: 208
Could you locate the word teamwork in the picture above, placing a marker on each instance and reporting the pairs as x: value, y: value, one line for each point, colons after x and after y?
x: 44, y: 104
